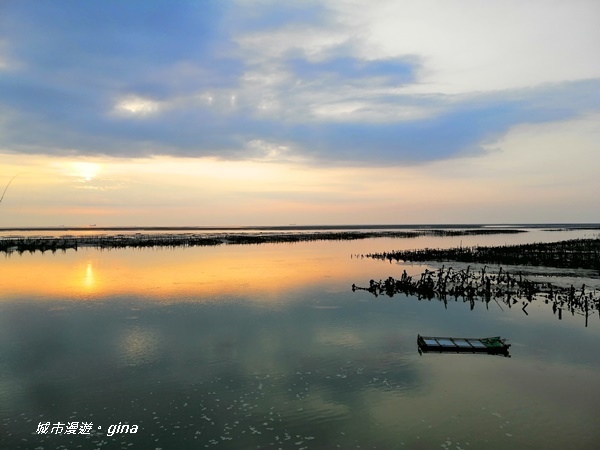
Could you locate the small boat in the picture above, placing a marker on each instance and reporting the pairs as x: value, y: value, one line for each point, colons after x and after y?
x: 490, y: 345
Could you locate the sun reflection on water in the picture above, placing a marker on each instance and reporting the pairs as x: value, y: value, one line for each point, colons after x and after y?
x: 172, y: 275
x: 89, y: 280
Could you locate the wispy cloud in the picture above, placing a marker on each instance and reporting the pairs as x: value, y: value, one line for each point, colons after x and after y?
x: 335, y: 82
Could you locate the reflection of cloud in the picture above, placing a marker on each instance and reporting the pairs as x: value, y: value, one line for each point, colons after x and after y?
x: 320, y: 403
x: 339, y: 337
x: 138, y: 346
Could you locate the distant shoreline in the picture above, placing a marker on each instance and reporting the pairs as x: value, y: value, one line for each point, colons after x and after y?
x: 574, y: 253
x: 138, y: 240
x: 578, y: 226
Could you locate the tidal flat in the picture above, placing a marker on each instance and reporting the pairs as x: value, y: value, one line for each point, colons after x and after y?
x: 245, y: 346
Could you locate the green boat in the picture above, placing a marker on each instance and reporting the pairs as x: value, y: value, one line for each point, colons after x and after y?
x: 490, y: 345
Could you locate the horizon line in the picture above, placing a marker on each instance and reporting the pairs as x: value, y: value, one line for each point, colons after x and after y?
x: 301, y: 227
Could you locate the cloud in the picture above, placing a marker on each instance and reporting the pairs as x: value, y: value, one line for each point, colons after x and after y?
x: 348, y: 68
x: 335, y: 82
x: 480, y: 46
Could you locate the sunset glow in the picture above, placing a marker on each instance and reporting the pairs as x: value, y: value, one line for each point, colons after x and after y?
x: 86, y: 171
x: 261, y: 113
x: 196, y: 273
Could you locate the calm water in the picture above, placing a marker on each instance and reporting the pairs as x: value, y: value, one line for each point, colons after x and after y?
x: 266, y: 346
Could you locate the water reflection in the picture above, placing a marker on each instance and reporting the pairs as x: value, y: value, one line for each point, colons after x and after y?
x: 481, y: 285
x: 230, y: 371
x: 264, y: 271
x: 168, y: 275
x: 89, y: 280
x: 242, y: 347
x: 139, y: 345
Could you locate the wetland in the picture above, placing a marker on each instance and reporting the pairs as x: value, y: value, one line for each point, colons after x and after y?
x: 240, y: 346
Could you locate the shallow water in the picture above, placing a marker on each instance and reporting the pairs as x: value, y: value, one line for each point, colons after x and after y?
x: 266, y: 346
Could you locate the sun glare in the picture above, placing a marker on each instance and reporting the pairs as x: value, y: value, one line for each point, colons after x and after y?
x: 87, y: 171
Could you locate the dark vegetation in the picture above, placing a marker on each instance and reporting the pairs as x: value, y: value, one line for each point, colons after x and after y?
x: 480, y: 286
x: 576, y: 253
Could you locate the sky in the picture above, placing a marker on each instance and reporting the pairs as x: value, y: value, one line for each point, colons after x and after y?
x: 259, y: 112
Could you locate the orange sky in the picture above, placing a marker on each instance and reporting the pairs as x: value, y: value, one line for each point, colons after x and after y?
x: 548, y: 184
x: 278, y: 113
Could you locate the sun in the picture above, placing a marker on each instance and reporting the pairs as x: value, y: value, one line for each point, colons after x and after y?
x: 87, y: 171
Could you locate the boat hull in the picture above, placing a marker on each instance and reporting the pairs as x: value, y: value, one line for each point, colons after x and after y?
x: 490, y: 345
